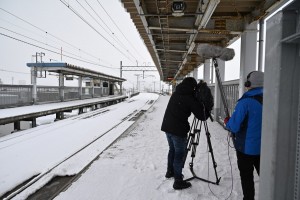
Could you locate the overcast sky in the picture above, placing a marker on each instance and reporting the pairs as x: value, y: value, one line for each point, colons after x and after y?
x: 107, y: 37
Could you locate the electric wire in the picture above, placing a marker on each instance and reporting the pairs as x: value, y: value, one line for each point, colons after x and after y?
x: 85, y: 21
x: 231, y: 173
x: 55, y: 51
x: 120, y: 30
x: 208, y: 151
x: 46, y: 44
x: 114, y: 37
x: 40, y: 29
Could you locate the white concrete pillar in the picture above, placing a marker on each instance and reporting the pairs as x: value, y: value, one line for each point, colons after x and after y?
x: 248, y: 54
x: 206, y: 71
x: 34, y: 83
x: 217, y: 96
x: 80, y: 87
x: 93, y: 87
x: 61, y: 86
x: 280, y: 147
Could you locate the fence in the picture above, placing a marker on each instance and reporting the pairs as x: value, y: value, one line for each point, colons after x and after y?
x: 15, y: 95
x: 21, y: 95
x: 231, y: 90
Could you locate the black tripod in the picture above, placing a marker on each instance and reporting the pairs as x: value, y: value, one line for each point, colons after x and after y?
x: 193, y: 141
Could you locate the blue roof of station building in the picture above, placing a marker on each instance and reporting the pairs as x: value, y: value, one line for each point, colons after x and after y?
x: 68, y: 69
x: 43, y: 64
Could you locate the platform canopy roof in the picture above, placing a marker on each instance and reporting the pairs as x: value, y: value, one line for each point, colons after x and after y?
x: 171, y: 29
x: 68, y: 69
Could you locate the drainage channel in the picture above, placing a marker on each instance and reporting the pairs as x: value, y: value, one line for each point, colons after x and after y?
x: 50, y: 190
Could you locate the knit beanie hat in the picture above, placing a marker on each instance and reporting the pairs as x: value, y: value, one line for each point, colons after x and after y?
x: 190, y: 81
x: 256, y: 78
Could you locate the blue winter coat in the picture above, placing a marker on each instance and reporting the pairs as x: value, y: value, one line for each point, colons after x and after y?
x: 246, y: 123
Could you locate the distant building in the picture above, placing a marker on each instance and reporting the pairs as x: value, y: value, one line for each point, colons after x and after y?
x: 97, y: 83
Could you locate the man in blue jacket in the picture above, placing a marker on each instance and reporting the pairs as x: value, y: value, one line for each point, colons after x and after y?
x: 245, y: 124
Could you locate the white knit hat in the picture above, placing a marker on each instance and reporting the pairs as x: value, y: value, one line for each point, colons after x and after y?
x: 256, y: 78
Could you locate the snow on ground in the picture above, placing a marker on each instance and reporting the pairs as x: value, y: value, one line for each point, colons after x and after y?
x: 134, y: 167
x: 32, y: 152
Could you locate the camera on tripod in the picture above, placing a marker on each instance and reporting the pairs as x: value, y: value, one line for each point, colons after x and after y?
x: 203, y: 94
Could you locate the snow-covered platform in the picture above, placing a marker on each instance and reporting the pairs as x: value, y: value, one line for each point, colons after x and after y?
x: 133, y: 167
x: 17, y: 114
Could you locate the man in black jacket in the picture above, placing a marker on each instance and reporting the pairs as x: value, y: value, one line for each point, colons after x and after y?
x: 176, y: 126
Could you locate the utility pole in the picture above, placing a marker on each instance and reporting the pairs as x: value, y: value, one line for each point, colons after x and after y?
x: 137, y: 81
x: 41, y: 54
x: 121, y: 91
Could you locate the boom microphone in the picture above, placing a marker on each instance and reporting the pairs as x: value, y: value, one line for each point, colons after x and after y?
x: 207, y: 51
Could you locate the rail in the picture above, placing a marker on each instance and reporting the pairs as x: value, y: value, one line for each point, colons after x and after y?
x: 109, y: 136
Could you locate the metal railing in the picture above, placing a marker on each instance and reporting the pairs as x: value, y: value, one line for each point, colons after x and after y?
x: 22, y: 95
x: 71, y: 93
x: 15, y: 95
x: 47, y: 94
x: 231, y: 90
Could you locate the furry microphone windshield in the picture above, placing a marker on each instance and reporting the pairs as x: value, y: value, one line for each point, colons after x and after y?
x: 207, y: 51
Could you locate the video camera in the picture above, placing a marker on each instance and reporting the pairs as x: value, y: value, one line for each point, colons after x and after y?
x: 203, y: 94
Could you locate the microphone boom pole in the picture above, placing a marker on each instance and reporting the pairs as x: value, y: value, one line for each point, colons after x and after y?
x: 208, y: 51
x: 224, y: 100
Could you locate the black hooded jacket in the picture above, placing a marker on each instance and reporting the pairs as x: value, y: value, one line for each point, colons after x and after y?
x: 181, y: 104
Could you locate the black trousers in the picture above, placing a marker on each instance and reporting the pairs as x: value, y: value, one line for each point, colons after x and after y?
x: 246, y: 164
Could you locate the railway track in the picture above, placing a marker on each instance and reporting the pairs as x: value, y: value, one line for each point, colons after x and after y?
x: 34, y: 187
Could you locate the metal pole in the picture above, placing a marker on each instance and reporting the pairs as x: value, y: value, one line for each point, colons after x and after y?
x: 121, y: 90
x: 261, y: 44
x: 221, y: 87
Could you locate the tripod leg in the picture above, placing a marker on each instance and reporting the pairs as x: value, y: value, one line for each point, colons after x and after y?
x: 191, y: 140
x: 194, y: 143
x: 211, y: 152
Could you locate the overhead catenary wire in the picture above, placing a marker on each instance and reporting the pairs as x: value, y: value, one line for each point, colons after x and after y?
x: 113, y: 36
x: 54, y: 51
x: 46, y: 32
x: 85, y: 21
x: 120, y: 30
x: 48, y: 45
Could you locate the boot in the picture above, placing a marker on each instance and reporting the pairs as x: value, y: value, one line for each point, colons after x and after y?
x: 169, y: 174
x: 180, y: 184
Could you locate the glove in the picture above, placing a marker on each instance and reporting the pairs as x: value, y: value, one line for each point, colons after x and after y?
x: 226, y: 120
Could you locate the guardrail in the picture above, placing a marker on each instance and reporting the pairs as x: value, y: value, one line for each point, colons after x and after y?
x: 231, y: 90
x: 21, y: 95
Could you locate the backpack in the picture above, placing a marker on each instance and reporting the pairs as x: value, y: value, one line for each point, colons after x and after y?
x: 203, y: 94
